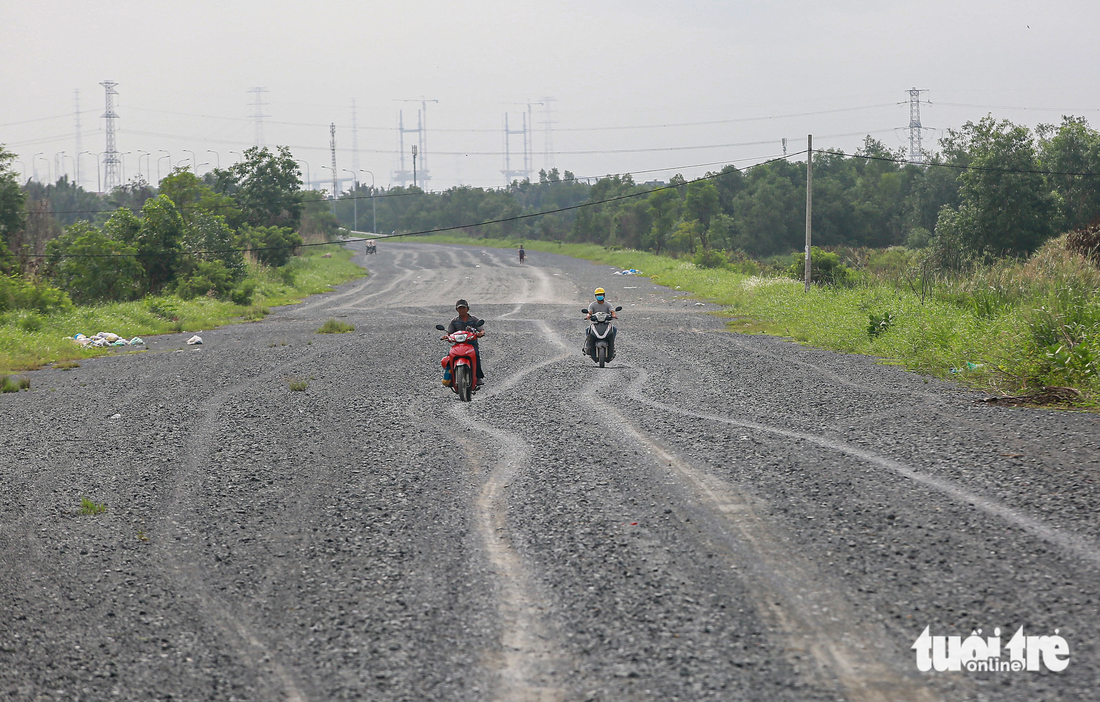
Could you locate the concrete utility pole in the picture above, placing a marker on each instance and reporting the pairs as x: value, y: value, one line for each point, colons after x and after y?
x: 414, y: 165
x: 79, y: 148
x: 809, y: 200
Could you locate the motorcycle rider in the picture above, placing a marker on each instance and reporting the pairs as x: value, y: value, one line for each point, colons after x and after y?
x: 598, y: 305
x: 459, y: 323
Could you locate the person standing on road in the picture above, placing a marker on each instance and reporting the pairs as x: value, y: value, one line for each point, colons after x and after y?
x: 522, y: 254
x: 463, y: 320
x: 598, y: 305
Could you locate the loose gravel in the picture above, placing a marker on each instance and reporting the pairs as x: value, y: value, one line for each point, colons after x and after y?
x: 711, y: 517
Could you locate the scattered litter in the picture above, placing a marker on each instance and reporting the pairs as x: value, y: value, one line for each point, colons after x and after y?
x: 195, y: 340
x: 968, y: 367
x: 628, y: 271
x: 105, y: 339
x: 116, y: 415
x: 700, y: 304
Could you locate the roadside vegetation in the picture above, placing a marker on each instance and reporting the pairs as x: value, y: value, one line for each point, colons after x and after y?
x: 333, y: 326
x: 193, y: 254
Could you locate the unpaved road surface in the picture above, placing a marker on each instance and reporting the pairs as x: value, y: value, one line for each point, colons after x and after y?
x: 711, y: 517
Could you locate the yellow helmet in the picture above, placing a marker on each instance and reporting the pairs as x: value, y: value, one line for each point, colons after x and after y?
x: 599, y: 291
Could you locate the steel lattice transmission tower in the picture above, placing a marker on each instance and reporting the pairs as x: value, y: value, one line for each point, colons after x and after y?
x: 916, y: 151
x: 332, y: 146
x: 111, y: 176
x: 258, y: 115
x: 509, y: 173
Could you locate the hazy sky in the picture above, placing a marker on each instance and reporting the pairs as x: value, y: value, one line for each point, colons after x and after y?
x: 640, y: 86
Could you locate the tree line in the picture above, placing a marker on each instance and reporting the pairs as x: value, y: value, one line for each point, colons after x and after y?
x: 993, y: 189
x: 188, y: 236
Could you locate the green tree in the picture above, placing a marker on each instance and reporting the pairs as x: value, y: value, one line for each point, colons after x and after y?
x: 11, y: 207
x: 1072, y: 147
x: 701, y: 204
x: 664, y: 209
x: 160, y: 242
x: 1005, y: 207
x: 267, y: 187
x: 94, y: 267
x: 193, y: 197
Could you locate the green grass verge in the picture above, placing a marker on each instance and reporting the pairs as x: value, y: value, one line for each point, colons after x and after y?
x: 955, y: 335
x: 305, y: 275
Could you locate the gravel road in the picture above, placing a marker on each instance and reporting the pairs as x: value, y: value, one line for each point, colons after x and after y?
x: 711, y: 517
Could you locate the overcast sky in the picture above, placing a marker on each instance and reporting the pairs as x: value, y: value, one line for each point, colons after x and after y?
x: 652, y: 88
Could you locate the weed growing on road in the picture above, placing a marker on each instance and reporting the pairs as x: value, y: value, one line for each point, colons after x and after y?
x: 10, y: 384
x: 87, y: 507
x: 298, y: 384
x: 67, y: 365
x: 334, y: 327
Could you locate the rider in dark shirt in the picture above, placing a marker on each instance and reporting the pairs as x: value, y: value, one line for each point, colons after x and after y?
x: 463, y: 320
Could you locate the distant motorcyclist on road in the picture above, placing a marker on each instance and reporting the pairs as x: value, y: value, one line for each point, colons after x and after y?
x: 461, y: 322
x: 598, y: 305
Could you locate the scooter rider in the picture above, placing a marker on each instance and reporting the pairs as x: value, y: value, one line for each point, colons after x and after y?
x: 459, y: 323
x: 599, y: 305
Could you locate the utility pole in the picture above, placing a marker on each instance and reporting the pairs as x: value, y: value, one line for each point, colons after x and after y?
x: 414, y: 165
x: 421, y: 139
x: 258, y: 115
x: 916, y: 150
x: 784, y: 147
x: 79, y: 147
x: 809, y: 200
x: 111, y: 179
x: 332, y: 147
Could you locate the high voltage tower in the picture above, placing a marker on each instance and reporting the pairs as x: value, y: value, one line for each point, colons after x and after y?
x: 258, y: 115
x: 401, y: 175
x: 548, y: 142
x: 509, y: 173
x: 916, y: 151
x: 111, y: 178
x: 332, y: 148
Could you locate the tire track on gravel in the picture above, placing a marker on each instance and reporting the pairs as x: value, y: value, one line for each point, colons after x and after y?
x: 789, y: 592
x: 179, y: 544
x: 1078, y: 546
x: 530, y: 667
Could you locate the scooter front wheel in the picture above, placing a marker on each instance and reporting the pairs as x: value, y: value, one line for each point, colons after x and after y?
x: 462, y: 383
x: 601, y: 355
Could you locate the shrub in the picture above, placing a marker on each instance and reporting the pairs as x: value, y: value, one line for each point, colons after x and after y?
x: 242, y: 294
x: 163, y: 308
x: 272, y: 246
x: 19, y: 294
x: 207, y: 277
x: 9, y: 384
x: 709, y: 258
x: 825, y: 268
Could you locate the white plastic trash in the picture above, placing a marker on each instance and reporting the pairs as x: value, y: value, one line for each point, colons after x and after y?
x: 196, y: 339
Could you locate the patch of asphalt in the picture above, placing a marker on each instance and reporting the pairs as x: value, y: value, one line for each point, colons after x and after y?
x: 261, y: 543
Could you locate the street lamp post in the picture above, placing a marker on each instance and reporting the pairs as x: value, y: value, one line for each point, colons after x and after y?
x: 122, y: 160
x: 98, y: 186
x: 354, y: 198
x: 167, y: 156
x: 194, y: 162
x: 218, y: 156
x: 147, y: 163
x: 414, y: 165
x: 240, y: 156
x: 374, y: 212
x: 59, y: 163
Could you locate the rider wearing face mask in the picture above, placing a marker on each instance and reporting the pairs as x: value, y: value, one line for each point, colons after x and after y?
x: 599, y: 305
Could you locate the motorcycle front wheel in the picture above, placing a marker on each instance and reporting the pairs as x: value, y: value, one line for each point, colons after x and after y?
x: 462, y: 382
x: 601, y: 355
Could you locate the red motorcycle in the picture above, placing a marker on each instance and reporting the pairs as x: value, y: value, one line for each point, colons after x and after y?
x: 461, y: 360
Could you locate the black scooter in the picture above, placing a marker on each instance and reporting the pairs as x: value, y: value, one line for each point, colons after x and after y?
x: 602, y: 333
